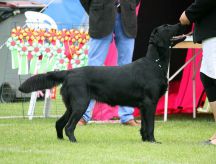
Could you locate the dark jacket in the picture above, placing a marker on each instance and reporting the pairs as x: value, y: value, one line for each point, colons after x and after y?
x: 102, y: 15
x: 203, y: 14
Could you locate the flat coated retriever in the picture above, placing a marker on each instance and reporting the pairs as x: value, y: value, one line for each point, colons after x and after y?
x: 139, y: 84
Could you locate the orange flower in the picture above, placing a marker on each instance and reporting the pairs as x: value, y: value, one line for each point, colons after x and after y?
x: 77, y: 34
x: 17, y: 32
x: 73, y: 50
x: 63, y: 35
x: 29, y: 34
x: 72, y: 35
x: 83, y: 37
x: 52, y: 35
x: 41, y: 33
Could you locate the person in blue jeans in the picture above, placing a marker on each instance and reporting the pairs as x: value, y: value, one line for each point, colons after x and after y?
x: 108, y: 21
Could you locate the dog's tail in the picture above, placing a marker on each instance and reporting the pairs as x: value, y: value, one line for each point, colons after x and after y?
x: 43, y: 81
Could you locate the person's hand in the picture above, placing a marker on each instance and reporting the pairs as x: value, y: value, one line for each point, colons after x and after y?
x: 184, y: 19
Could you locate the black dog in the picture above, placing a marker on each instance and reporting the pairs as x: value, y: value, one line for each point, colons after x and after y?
x: 139, y: 84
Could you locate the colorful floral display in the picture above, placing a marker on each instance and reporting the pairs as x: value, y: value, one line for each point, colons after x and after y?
x: 38, y: 51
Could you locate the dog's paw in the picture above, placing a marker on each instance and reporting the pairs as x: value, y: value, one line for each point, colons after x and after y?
x: 146, y: 139
x: 59, y: 135
x: 73, y: 140
x: 60, y: 138
x: 155, y: 142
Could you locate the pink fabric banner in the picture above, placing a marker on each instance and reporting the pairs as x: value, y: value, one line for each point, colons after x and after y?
x: 185, y: 97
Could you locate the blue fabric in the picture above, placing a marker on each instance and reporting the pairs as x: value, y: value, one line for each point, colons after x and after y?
x: 97, y: 54
x: 66, y: 13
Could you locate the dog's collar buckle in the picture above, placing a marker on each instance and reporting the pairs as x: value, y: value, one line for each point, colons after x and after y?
x: 158, y: 60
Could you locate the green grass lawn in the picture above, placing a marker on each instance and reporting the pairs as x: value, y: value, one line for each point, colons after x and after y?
x: 24, y: 141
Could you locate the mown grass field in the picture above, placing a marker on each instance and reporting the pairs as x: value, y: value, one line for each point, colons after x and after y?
x: 23, y: 141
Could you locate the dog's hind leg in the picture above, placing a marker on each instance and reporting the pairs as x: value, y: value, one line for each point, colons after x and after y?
x: 79, y: 105
x: 61, y: 122
x: 148, y: 119
x: 73, y: 120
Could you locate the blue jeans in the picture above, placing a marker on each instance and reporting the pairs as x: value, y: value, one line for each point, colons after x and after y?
x: 98, y: 49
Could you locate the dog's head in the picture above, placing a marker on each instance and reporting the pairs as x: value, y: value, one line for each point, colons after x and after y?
x: 161, y: 36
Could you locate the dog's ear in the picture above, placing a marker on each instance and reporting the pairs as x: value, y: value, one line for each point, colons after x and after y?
x: 153, y: 36
x: 156, y: 39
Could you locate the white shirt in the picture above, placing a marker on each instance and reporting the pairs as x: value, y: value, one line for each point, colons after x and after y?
x: 208, y: 66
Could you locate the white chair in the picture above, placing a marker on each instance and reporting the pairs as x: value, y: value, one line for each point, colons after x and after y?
x: 37, y: 20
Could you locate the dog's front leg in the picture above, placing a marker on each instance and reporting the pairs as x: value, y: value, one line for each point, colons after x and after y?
x: 148, y: 119
x: 143, y: 130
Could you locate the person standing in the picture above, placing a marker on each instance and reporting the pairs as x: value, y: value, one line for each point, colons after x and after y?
x: 203, y: 14
x: 111, y: 20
